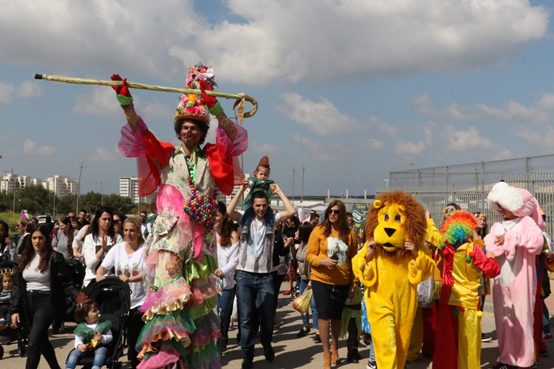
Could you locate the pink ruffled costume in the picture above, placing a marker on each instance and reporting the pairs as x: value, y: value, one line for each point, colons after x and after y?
x: 514, y: 289
x: 181, y: 327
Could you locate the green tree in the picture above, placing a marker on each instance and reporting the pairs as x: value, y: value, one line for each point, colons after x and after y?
x: 90, y: 201
x: 66, y: 204
x: 35, y: 199
x: 119, y: 203
x: 6, y: 201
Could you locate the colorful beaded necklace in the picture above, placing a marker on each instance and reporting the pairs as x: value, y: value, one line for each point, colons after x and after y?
x: 200, y: 206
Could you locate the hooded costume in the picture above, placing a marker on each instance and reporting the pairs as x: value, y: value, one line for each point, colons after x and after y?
x: 392, y: 274
x: 514, y: 289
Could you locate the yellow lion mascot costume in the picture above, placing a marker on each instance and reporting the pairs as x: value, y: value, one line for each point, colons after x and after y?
x: 391, y: 273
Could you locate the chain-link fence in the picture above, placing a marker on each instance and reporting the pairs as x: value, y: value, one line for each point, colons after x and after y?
x: 469, y: 184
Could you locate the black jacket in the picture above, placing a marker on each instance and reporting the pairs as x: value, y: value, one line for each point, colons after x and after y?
x: 279, y: 248
x: 61, y: 284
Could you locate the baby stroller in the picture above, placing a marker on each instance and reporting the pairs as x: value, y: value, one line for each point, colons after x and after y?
x: 113, y: 297
x: 77, y: 271
x: 10, y: 335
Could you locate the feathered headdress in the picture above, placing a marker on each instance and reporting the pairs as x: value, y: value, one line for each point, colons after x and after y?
x: 193, y: 106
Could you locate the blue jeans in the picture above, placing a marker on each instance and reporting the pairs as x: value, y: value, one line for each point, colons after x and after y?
x: 306, y: 317
x: 255, y: 292
x: 372, y: 351
x: 225, y: 303
x: 99, y: 357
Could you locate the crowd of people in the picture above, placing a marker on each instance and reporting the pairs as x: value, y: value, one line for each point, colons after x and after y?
x: 405, y: 287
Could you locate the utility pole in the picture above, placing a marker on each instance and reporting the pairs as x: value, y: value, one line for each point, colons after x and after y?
x: 79, y: 188
x: 303, y: 168
x: 293, y: 171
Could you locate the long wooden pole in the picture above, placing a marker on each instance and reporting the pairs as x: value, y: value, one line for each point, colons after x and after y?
x: 142, y: 86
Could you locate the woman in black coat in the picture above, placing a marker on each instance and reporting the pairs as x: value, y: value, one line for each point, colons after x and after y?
x: 40, y: 285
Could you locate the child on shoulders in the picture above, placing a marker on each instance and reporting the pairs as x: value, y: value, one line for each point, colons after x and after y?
x: 260, y: 182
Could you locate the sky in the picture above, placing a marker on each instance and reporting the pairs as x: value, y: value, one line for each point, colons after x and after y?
x: 348, y: 89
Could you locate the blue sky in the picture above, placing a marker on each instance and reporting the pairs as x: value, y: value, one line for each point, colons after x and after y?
x: 350, y: 89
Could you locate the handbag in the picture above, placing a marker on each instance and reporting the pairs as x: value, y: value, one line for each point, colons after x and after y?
x: 302, y: 302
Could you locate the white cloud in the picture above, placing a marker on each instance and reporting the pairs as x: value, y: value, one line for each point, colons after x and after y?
x: 409, y: 149
x: 322, y: 118
x: 383, y: 127
x: 372, y: 144
x: 101, y: 155
x: 158, y: 38
x: 263, y: 148
x: 30, y: 89
x: 6, y: 93
x: 534, y: 138
x: 98, y: 101
x: 333, y: 152
x: 470, y: 142
x: 31, y: 147
x: 511, y: 112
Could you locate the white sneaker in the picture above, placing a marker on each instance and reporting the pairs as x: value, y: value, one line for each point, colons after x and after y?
x: 371, y: 365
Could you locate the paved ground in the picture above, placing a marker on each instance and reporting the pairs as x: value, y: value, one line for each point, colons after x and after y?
x: 291, y: 352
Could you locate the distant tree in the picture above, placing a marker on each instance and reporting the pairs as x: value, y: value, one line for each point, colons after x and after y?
x: 6, y: 201
x: 35, y: 199
x: 90, y: 201
x: 66, y: 204
x: 119, y: 203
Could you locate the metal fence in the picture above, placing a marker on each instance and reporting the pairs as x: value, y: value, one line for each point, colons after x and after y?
x: 469, y: 184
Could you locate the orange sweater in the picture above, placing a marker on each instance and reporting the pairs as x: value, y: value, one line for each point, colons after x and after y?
x: 318, y: 249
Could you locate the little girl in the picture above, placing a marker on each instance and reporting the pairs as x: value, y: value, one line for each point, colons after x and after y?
x: 92, y: 335
x: 5, y: 296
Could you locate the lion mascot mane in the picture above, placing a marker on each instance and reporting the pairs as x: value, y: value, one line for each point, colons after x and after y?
x: 392, y: 274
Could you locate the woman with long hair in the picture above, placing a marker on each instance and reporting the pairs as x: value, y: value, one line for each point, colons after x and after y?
x: 101, y: 238
x: 63, y: 238
x: 39, y: 288
x: 118, y: 221
x: 127, y: 258
x: 305, y: 277
x: 331, y: 247
x: 227, y: 260
x: 291, y: 233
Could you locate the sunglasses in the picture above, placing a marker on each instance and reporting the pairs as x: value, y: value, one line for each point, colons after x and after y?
x: 448, y: 209
x: 117, y: 221
x: 143, y: 216
x: 334, y: 211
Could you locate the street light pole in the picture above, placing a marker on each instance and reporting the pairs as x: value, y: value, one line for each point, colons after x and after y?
x: 79, y: 187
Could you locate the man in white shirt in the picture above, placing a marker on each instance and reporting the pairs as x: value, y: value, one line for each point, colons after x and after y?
x: 255, y: 290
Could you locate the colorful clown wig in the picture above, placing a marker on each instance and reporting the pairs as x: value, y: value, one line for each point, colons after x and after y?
x: 459, y: 227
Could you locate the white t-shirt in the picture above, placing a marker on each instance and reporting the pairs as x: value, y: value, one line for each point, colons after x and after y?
x: 129, y: 265
x: 90, y: 247
x: 36, y: 280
